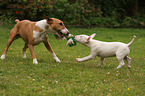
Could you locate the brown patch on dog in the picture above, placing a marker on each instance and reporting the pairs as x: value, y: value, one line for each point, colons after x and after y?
x: 56, y: 24
x: 88, y: 39
x: 47, y: 27
x: 38, y: 29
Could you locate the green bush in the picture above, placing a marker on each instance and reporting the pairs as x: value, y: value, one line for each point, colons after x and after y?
x: 133, y: 21
x: 32, y: 9
x: 105, y: 21
x: 80, y: 12
x: 7, y: 20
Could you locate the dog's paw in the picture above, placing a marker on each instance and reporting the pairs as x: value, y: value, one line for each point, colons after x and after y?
x: 119, y: 67
x: 3, y: 57
x: 99, y: 66
x: 24, y: 56
x: 79, y: 59
x: 129, y: 66
x: 35, y: 61
x: 56, y: 59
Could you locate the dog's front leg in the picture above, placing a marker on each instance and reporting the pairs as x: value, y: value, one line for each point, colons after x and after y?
x: 30, y: 46
x: 49, y: 48
x: 101, y: 62
x: 85, y: 58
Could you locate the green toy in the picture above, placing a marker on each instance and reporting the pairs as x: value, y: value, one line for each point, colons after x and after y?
x: 73, y: 43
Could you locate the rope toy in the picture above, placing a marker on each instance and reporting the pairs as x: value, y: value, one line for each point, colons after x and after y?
x: 71, y: 41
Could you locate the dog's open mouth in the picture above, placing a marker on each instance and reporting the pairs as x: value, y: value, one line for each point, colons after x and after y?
x: 60, y: 34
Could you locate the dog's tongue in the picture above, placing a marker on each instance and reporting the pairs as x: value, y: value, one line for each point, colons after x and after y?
x: 59, y: 34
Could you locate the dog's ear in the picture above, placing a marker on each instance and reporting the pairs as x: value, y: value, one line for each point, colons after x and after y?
x: 90, y: 37
x: 49, y: 20
x: 93, y: 35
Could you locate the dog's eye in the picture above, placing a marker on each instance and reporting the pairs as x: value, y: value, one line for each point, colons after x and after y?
x: 60, y: 24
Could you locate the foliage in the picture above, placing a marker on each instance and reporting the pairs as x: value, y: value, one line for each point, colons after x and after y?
x: 128, y: 21
x: 7, y: 20
x: 76, y: 12
x: 79, y: 12
x: 105, y: 21
x: 115, y: 8
x: 82, y: 12
x: 32, y: 9
x: 19, y: 77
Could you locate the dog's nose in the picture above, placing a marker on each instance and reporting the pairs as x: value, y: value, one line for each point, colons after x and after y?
x: 65, y: 31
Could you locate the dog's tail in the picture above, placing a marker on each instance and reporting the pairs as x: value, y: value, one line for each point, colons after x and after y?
x: 131, y: 40
x: 17, y: 20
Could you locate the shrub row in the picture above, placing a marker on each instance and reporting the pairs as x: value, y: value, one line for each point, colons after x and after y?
x: 79, y: 12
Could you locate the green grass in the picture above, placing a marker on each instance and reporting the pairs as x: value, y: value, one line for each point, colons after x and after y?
x: 19, y: 77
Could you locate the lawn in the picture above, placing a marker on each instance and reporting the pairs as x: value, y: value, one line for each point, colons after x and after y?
x: 20, y: 77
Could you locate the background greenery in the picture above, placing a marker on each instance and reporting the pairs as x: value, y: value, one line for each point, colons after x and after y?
x: 82, y: 12
x: 19, y: 76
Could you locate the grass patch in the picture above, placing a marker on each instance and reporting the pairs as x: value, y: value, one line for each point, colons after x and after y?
x: 19, y: 76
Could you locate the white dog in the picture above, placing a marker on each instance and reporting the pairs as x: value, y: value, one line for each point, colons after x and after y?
x: 105, y: 49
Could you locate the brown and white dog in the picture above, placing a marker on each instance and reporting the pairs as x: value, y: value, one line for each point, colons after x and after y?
x: 34, y: 33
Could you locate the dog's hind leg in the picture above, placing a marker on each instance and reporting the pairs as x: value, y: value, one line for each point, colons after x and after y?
x: 121, y: 63
x: 30, y: 46
x: 24, y: 50
x: 49, y: 48
x: 128, y: 59
x: 13, y: 36
x: 120, y: 59
x: 121, y: 54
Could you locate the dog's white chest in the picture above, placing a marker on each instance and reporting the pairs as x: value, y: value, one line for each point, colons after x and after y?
x: 39, y: 36
x: 39, y: 32
x: 36, y: 34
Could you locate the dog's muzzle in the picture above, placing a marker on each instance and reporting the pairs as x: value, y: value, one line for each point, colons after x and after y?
x: 62, y: 34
